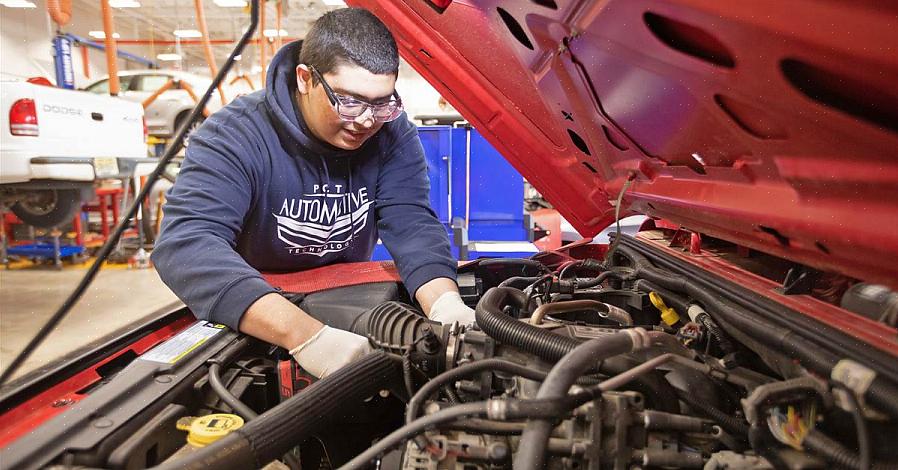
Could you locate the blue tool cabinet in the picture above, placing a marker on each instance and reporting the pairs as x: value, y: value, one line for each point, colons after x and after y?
x: 470, y: 180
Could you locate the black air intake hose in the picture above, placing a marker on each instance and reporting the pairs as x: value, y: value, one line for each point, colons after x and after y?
x: 394, y: 326
x: 492, y: 319
x: 274, y: 432
x: 532, y: 448
x: 505, y: 329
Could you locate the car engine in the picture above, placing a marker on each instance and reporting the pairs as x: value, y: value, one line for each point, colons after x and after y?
x: 629, y: 359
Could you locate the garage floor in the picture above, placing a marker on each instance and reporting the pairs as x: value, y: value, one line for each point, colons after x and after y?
x: 29, y: 296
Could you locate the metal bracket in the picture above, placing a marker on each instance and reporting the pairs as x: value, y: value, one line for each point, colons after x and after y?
x: 800, y: 280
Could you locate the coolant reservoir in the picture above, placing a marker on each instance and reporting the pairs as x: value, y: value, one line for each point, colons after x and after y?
x: 204, y: 430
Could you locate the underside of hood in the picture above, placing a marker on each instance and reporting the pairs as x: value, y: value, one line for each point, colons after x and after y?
x: 769, y: 124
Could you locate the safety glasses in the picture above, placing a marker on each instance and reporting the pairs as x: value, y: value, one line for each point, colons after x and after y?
x: 349, y: 108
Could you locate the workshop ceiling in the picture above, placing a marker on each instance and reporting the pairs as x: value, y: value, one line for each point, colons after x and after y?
x: 155, y: 21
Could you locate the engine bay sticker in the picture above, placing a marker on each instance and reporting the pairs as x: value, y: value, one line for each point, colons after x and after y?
x: 181, y: 344
x: 590, y: 332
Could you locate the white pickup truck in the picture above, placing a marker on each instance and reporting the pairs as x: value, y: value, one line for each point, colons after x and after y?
x: 57, y: 143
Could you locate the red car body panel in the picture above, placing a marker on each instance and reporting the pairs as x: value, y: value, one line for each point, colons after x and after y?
x: 769, y: 124
x: 18, y: 421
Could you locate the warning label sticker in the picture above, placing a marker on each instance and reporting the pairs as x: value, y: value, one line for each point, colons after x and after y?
x: 589, y: 332
x: 181, y: 344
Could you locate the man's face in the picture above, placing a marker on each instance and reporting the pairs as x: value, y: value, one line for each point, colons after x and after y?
x: 347, y: 80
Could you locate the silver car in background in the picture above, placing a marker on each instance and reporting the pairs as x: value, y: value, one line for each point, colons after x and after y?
x: 166, y: 114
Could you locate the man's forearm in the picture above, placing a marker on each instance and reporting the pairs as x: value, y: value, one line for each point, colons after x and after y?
x: 428, y: 293
x: 276, y: 320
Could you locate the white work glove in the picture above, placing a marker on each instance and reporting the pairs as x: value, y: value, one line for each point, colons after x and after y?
x: 328, y: 350
x: 449, y: 308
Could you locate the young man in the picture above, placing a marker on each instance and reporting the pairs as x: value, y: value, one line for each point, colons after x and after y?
x: 306, y: 173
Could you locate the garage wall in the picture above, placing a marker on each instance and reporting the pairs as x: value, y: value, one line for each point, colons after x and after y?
x: 25, y: 42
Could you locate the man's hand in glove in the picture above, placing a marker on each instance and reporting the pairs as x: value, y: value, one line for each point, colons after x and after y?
x: 449, y: 308
x: 328, y: 350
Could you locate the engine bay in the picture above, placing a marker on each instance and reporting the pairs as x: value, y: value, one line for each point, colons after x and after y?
x: 626, y: 358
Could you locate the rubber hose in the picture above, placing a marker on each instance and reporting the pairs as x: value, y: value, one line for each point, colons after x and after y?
x: 681, y: 304
x: 277, y: 430
x: 860, y: 424
x: 770, y: 311
x: 677, y: 301
x: 532, y: 449
x: 587, y: 264
x: 836, y: 453
x: 550, y: 346
x: 507, y: 330
x: 773, y: 312
x: 393, y: 326
x: 729, y: 423
x: 413, y: 429
x: 593, y: 282
x: 519, y: 282
x: 883, y: 395
x: 407, y: 379
x: 485, y: 426
x: 429, y: 388
x: 226, y: 396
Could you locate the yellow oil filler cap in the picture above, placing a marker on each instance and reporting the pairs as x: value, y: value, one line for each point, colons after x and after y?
x: 668, y: 315
x: 204, y: 430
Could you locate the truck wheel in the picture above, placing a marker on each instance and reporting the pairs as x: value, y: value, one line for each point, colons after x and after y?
x: 180, y: 121
x: 48, y: 208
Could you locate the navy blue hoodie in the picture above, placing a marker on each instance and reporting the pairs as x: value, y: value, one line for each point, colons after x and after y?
x: 257, y: 192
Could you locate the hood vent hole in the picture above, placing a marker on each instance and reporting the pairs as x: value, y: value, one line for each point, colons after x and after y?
x: 689, y: 40
x: 850, y: 95
x: 589, y: 167
x: 578, y: 141
x: 546, y: 3
x: 780, y: 238
x: 515, y: 28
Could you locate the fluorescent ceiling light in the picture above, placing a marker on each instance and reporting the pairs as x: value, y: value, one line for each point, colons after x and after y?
x: 334, y: 3
x: 270, y: 33
x: 124, y: 4
x: 102, y: 35
x: 231, y: 3
x: 169, y: 57
x: 17, y: 4
x: 188, y: 33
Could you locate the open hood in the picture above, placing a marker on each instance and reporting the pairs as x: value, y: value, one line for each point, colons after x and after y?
x: 770, y: 124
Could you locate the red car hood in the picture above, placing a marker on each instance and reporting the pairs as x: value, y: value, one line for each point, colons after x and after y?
x: 770, y: 124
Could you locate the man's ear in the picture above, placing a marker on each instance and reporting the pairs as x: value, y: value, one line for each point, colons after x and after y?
x: 303, y: 79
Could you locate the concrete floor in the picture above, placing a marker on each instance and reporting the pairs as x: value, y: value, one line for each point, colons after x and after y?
x: 29, y: 296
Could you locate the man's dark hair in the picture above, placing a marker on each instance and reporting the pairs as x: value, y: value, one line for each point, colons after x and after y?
x: 350, y: 36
